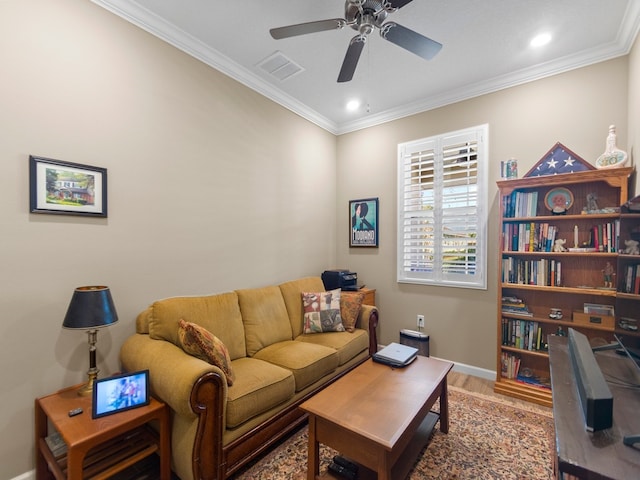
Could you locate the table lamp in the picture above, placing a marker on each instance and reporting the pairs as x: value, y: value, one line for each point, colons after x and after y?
x: 90, y: 308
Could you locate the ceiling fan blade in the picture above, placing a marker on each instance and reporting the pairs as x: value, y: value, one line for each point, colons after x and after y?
x: 409, y: 40
x: 309, y: 27
x: 399, y: 3
x: 351, y: 58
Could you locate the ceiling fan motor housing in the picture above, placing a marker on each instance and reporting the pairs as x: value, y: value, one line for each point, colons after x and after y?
x: 364, y: 15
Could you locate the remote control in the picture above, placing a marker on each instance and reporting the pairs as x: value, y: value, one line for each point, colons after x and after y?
x: 340, y: 470
x: 343, y: 462
x: 75, y: 411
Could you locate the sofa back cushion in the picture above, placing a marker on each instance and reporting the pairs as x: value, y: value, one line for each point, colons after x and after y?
x: 264, y: 316
x: 219, y: 314
x: 292, y: 294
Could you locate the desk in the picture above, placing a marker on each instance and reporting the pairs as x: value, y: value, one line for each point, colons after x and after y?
x: 98, y: 448
x: 594, y: 455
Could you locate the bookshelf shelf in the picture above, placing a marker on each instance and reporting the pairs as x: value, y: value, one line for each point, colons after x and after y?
x: 522, y: 351
x: 538, y: 280
x: 574, y: 290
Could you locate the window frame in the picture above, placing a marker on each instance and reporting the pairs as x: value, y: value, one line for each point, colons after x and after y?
x: 479, y: 137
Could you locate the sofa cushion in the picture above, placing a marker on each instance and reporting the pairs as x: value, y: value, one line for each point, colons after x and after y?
x: 219, y: 314
x: 259, y: 386
x: 201, y: 343
x: 264, y: 316
x: 350, y: 305
x: 292, y: 294
x: 347, y: 345
x: 322, y: 312
x: 307, y: 361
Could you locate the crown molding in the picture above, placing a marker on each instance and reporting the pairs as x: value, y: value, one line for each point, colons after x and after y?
x: 139, y: 16
x: 148, y: 21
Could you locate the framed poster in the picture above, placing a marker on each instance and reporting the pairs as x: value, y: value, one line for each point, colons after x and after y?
x: 363, y: 215
x: 66, y: 188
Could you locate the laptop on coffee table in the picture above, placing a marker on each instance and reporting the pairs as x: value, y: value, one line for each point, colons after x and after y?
x: 396, y: 355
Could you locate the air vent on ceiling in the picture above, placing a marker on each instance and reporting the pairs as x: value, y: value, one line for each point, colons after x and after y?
x: 280, y: 66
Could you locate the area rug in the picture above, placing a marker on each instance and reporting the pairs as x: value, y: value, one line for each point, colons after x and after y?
x: 489, y: 438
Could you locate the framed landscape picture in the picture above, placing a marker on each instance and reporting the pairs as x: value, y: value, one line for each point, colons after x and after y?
x: 65, y: 188
x: 363, y: 215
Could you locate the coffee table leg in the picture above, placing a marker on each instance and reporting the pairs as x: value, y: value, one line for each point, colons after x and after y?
x: 384, y: 469
x: 444, y: 407
x: 313, y: 468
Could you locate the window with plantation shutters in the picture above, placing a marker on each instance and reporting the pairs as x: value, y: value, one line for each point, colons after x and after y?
x: 442, y: 209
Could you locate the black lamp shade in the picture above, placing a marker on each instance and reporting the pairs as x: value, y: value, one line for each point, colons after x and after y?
x: 90, y: 307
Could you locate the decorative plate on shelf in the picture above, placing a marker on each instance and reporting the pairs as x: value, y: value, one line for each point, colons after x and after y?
x: 558, y: 200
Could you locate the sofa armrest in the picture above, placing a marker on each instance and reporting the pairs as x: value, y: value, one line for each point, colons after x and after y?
x: 368, y: 320
x: 174, y: 375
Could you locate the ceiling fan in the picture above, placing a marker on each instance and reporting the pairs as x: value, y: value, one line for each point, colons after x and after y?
x: 364, y: 16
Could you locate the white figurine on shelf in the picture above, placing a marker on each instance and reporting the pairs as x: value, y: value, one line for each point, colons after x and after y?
x: 631, y: 247
x: 558, y: 246
x: 612, y: 157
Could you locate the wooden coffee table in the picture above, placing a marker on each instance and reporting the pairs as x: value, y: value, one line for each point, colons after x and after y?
x: 379, y: 417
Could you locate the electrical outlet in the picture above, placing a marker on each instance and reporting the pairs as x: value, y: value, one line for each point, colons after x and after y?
x: 420, y: 321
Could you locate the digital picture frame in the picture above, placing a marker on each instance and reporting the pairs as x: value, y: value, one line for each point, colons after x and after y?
x: 119, y: 393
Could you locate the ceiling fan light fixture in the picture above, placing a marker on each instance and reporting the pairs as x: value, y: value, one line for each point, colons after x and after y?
x: 540, y: 40
x: 353, y: 105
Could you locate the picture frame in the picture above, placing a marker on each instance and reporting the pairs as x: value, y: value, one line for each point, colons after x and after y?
x: 119, y: 393
x: 65, y: 188
x: 363, y: 222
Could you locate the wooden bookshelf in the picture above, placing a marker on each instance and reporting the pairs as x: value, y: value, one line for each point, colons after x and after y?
x: 538, y: 279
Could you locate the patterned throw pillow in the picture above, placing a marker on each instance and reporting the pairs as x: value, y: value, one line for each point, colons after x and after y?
x: 350, y: 304
x: 201, y: 343
x: 322, y: 312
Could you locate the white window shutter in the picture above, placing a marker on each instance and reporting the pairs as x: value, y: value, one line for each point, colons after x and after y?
x: 442, y: 209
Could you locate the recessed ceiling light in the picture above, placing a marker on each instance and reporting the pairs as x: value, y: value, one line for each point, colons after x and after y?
x: 353, y: 105
x: 540, y: 40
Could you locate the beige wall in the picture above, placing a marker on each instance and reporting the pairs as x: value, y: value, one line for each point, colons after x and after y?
x: 575, y: 109
x: 633, y: 145
x: 211, y: 187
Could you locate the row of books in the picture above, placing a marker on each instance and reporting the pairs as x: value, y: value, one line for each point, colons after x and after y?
x: 524, y: 334
x: 511, y: 370
x: 631, y: 280
x: 540, y: 237
x: 510, y: 365
x: 605, y: 237
x: 520, y: 204
x: 543, y: 272
x: 528, y: 237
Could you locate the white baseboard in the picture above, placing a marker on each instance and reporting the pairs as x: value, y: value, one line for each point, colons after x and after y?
x: 475, y: 371
x: 26, y: 476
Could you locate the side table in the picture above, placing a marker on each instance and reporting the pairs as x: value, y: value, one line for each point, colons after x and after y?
x: 102, y: 447
x: 369, y: 296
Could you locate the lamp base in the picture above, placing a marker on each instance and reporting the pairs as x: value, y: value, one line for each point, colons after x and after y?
x: 87, y: 388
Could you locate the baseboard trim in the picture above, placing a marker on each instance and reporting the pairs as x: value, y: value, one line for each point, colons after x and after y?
x: 26, y: 476
x: 475, y: 371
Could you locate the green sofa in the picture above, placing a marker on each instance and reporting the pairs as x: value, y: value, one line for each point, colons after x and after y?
x: 216, y: 428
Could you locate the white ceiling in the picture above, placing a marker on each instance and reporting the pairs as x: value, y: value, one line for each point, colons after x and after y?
x: 486, y: 48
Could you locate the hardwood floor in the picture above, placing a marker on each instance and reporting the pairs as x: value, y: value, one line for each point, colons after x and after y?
x: 471, y: 383
x: 485, y: 387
